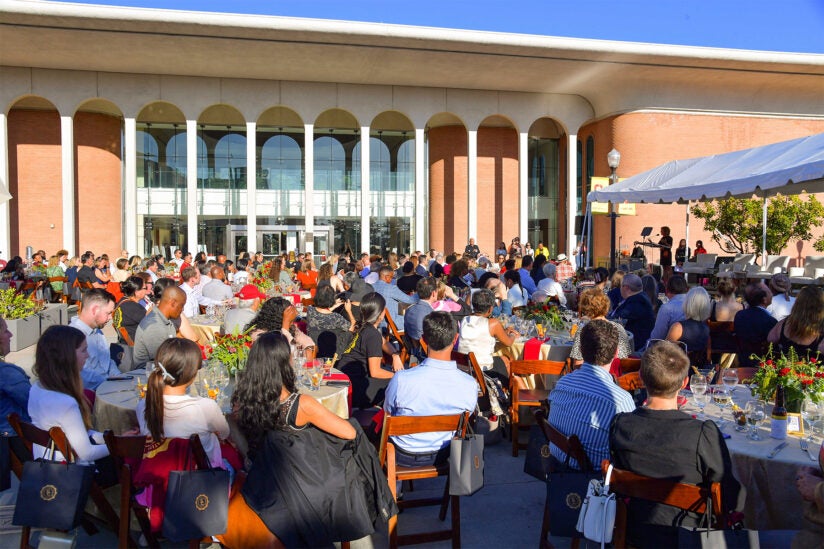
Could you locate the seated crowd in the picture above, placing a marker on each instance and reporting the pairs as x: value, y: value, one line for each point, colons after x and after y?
x: 439, y: 305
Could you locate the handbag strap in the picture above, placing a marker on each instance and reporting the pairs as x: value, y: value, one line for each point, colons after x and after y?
x: 606, y: 480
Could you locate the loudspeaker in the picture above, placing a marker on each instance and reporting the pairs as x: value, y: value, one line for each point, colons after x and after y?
x: 579, y: 225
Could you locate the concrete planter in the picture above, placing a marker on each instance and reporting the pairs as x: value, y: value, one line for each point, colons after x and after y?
x: 25, y: 332
x: 53, y: 314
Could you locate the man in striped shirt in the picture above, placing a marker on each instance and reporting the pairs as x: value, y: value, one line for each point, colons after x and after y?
x: 584, y: 402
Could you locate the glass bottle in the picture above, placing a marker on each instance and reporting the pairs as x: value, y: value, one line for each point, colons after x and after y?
x: 778, y: 420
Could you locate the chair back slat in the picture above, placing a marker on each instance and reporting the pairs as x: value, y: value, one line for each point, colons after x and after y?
x: 410, y: 425
x: 28, y: 433
x: 398, y: 335
x: 571, y: 445
x: 470, y: 365
x: 546, y: 367
x: 689, y: 497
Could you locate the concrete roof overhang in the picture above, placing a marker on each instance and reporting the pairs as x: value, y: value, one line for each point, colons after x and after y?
x: 613, y: 76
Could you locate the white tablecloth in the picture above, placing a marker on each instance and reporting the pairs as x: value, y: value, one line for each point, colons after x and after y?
x: 772, y: 502
x: 116, y: 402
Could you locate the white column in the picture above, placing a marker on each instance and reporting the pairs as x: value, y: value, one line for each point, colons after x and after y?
x: 5, y: 226
x: 191, y: 186
x: 67, y: 169
x: 572, y: 192
x: 523, y: 185
x: 309, y: 184
x: 130, y: 185
x: 472, y: 189
x: 251, y: 186
x: 366, y: 203
x: 421, y: 207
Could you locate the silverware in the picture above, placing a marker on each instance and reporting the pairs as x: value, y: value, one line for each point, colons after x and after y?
x: 120, y: 391
x: 777, y: 449
x: 805, y: 448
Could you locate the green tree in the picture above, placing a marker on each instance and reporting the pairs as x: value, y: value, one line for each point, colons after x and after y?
x: 736, y: 222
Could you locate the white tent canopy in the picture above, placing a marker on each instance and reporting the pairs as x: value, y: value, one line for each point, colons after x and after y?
x: 789, y: 167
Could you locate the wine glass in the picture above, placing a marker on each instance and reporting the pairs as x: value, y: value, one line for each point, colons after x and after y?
x: 701, y: 400
x: 755, y: 412
x: 730, y: 378
x: 812, y: 412
x: 698, y: 384
x: 722, y: 399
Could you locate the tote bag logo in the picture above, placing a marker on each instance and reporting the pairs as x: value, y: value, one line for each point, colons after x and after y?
x: 48, y: 492
x: 573, y: 500
x: 202, y: 502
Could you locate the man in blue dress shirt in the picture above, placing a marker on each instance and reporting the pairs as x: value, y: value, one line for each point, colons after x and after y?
x: 435, y: 387
x: 584, y: 402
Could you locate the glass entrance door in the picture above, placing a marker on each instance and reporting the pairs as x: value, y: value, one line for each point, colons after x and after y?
x: 274, y: 240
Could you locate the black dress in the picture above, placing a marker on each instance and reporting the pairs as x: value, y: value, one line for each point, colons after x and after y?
x: 666, y: 251
x: 365, y: 344
x: 128, y: 315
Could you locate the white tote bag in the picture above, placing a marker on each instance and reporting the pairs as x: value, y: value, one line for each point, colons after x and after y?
x: 597, y: 517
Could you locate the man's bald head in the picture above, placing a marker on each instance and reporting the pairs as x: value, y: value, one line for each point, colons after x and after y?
x: 172, y: 301
x: 217, y: 273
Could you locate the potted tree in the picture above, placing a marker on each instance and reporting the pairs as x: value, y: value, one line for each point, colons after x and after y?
x: 20, y: 314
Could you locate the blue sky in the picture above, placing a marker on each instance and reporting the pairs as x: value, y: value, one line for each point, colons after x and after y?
x: 771, y: 25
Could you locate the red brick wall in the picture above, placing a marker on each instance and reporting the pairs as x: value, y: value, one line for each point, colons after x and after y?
x: 448, y: 223
x: 34, y: 181
x: 497, y: 187
x: 647, y: 140
x: 98, y: 183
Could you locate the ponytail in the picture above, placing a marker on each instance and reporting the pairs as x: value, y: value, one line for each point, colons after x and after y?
x: 176, y: 363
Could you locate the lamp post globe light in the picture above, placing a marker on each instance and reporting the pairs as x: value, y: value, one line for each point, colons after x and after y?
x: 613, y: 160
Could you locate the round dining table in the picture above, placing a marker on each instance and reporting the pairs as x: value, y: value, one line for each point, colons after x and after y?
x: 772, y: 501
x: 116, y: 401
x: 206, y: 327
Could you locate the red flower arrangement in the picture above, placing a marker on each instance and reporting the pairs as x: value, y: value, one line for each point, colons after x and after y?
x: 232, y: 350
x: 801, y: 377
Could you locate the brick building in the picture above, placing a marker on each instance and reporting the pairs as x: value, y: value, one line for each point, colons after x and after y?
x: 151, y: 129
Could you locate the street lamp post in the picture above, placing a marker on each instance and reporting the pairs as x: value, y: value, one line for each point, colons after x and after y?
x: 613, y: 159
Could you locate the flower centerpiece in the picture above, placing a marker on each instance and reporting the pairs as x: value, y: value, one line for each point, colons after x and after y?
x: 801, y: 377
x: 262, y: 281
x: 546, y: 313
x: 231, y: 350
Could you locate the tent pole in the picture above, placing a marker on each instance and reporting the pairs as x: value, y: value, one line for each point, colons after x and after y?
x: 764, y: 234
x: 588, y: 224
x: 687, y: 235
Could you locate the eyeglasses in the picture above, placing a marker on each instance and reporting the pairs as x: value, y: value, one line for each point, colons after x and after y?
x: 653, y: 342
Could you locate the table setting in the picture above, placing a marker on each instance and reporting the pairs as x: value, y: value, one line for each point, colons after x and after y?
x: 764, y: 465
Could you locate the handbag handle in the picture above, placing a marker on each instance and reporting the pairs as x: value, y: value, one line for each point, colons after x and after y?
x: 606, y: 480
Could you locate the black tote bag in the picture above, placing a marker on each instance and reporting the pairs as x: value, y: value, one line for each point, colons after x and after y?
x: 197, y: 504
x: 52, y: 495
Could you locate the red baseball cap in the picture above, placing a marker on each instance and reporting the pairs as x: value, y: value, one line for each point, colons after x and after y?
x: 250, y: 291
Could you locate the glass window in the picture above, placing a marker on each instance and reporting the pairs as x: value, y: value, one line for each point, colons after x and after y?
x: 280, y: 161
x: 222, y: 165
x: 543, y: 192
x: 334, y: 162
x: 579, y: 162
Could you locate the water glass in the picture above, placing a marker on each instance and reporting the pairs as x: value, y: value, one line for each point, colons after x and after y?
x: 701, y: 400
x: 730, y: 378
x: 722, y: 399
x: 813, y: 413
x: 698, y: 384
x: 755, y: 412
x: 315, y: 374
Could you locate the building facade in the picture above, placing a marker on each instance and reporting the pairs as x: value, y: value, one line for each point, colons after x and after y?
x: 151, y: 130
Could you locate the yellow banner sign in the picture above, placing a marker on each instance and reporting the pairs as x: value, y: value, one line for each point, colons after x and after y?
x: 598, y: 183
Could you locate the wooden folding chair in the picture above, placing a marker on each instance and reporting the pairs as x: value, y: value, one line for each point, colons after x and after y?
x: 572, y: 447
x: 469, y: 364
x: 64, y: 297
x: 528, y: 397
x: 631, y: 382
x: 398, y: 335
x: 30, y: 435
x: 126, y: 452
x: 688, y: 497
x: 409, y: 425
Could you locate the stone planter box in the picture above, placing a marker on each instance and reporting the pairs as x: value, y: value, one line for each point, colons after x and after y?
x: 25, y: 332
x: 53, y: 314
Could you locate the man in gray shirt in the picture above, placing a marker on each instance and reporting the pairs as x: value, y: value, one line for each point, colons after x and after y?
x: 158, y: 326
x: 249, y: 300
x: 216, y: 288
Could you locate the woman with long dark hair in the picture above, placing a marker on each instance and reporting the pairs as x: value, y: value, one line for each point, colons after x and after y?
x: 57, y: 398
x: 299, y: 452
x: 362, y: 359
x: 278, y: 272
x: 803, y: 329
x: 129, y: 312
x: 169, y: 411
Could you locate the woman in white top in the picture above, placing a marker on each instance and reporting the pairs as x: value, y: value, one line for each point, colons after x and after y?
x: 479, y: 333
x: 170, y: 412
x: 782, y: 301
x: 516, y: 293
x: 57, y: 399
x: 549, y: 287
